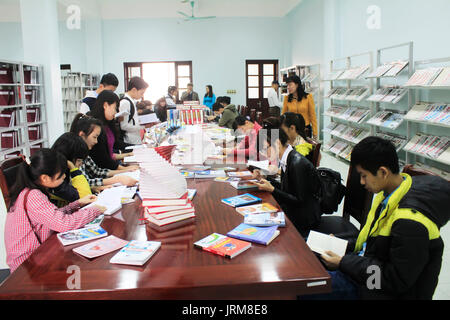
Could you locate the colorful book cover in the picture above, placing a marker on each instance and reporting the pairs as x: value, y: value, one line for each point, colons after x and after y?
x: 81, y: 235
x: 136, y: 252
x: 223, y: 245
x: 96, y: 222
x: 244, y: 184
x: 240, y: 174
x: 261, y: 235
x: 257, y: 208
x: 100, y: 247
x: 241, y: 200
x: 210, y: 240
x: 267, y: 219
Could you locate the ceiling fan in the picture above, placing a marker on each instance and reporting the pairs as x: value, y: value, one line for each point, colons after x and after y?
x: 192, y: 17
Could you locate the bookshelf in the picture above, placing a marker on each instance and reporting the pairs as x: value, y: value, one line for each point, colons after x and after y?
x: 429, y: 118
x: 74, y: 88
x: 23, y: 119
x: 347, y: 107
x: 310, y: 77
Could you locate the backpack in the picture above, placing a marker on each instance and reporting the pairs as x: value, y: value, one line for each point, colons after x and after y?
x: 332, y: 191
x: 132, y: 109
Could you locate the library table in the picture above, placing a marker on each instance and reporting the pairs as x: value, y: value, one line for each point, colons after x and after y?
x: 282, y: 270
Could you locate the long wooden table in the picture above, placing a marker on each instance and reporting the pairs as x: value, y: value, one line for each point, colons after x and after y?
x: 284, y: 269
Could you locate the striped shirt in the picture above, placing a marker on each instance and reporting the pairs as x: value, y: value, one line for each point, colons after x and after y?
x: 93, y: 173
x: 20, y: 240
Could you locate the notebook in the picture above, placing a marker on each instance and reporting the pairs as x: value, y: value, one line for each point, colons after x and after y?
x: 100, y: 247
x: 241, y: 200
x: 81, y: 235
x: 261, y: 235
x: 222, y: 245
x: 136, y: 252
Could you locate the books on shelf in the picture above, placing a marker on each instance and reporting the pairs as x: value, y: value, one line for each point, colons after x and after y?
x: 423, y: 77
x: 338, y: 147
x: 7, y: 98
x: 136, y: 252
x: 339, y: 130
x: 359, y: 115
x: 257, y: 208
x: 241, y: 200
x: 353, y: 73
x: 100, y: 247
x: 387, y: 119
x: 443, y: 79
x: 333, y: 75
x: 222, y: 245
x: 81, y: 235
x: 379, y: 71
x: 267, y: 219
x: 7, y: 118
x: 435, y: 147
x: 334, y: 111
x: 330, y: 127
x: 320, y: 243
x: 398, y: 142
x: 330, y: 143
x: 346, y: 153
x: 388, y: 94
x: 438, y: 113
x: 261, y: 235
x: 397, y: 67
x: 351, y: 94
x: 9, y: 139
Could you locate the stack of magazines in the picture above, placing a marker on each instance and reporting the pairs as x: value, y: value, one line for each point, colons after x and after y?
x: 431, y: 146
x: 438, y: 113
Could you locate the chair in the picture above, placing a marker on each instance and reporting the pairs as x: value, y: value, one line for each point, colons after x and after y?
x: 8, y: 175
x: 253, y: 115
x: 259, y: 118
x: 357, y: 203
x: 245, y: 111
x: 315, y: 155
x: 412, y: 171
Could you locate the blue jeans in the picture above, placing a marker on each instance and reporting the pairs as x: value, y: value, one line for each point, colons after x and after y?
x: 343, y: 288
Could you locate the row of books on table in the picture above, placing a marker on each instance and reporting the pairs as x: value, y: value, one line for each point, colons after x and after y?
x: 436, y: 147
x: 342, y: 131
x: 352, y: 94
x: 438, y: 113
x: 433, y: 77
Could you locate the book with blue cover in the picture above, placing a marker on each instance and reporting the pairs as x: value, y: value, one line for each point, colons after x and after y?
x: 266, y: 219
x: 241, y: 200
x: 81, y: 235
x: 136, y: 252
x: 261, y: 235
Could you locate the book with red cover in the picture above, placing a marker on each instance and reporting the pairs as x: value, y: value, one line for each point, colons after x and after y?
x: 169, y: 220
x: 223, y: 245
x: 161, y: 209
x: 166, y: 202
x: 168, y: 214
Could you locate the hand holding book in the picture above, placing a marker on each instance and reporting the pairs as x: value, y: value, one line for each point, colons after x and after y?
x: 264, y: 185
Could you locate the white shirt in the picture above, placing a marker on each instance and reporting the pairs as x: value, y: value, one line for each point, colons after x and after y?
x: 272, y: 96
x: 283, y: 161
x: 84, y: 108
x: 170, y: 101
x: 132, y: 132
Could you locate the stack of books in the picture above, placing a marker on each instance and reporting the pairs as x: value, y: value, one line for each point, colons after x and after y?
x: 438, y: 113
x: 430, y: 146
x: 7, y: 118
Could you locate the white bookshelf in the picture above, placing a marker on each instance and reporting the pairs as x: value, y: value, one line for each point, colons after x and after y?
x: 74, y: 88
x: 27, y: 129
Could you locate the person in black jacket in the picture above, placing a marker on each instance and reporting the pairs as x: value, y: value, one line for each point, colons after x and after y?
x: 102, y: 153
x: 298, y: 191
x: 398, y: 252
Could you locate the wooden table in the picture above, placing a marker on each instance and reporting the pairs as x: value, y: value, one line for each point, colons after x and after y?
x: 284, y: 269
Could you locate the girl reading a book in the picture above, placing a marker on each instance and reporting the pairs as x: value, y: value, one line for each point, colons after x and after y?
x: 89, y: 130
x: 31, y: 217
x: 105, y: 110
x: 294, y: 126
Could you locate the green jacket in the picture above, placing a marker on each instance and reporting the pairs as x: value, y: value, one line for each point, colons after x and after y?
x: 228, y: 115
x: 402, y: 241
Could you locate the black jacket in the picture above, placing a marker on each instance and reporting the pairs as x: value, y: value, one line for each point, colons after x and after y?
x: 403, y: 241
x: 296, y: 192
x: 100, y: 153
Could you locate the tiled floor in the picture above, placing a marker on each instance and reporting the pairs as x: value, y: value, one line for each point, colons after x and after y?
x: 443, y: 288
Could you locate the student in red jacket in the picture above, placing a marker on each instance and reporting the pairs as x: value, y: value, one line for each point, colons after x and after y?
x: 32, y: 218
x: 247, y: 148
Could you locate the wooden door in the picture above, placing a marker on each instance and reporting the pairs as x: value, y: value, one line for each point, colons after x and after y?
x: 259, y: 77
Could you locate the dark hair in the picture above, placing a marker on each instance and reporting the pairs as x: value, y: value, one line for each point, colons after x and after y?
x: 301, y: 94
x: 138, y: 83
x: 240, y: 121
x: 268, y: 135
x: 43, y: 161
x: 109, y: 79
x: 189, y: 84
x: 271, y: 123
x: 143, y: 104
x: 161, y: 111
x: 217, y: 106
x: 294, y: 119
x: 225, y: 99
x: 171, y: 89
x: 72, y: 146
x: 98, y: 111
x: 374, y: 152
x: 210, y: 93
x: 84, y: 123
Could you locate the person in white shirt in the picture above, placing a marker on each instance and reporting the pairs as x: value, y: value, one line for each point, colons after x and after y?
x: 108, y: 82
x: 275, y: 104
x: 130, y: 122
x: 171, y: 97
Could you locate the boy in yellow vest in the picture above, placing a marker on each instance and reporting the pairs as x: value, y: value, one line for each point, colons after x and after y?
x: 398, y: 253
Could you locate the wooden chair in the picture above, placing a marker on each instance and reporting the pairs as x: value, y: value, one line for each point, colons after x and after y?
x: 253, y: 115
x: 357, y: 203
x: 259, y: 118
x: 315, y: 155
x: 8, y: 175
x: 412, y: 171
x: 246, y: 111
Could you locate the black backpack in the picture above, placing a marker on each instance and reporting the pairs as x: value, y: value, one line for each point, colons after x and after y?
x: 132, y: 109
x: 332, y: 191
